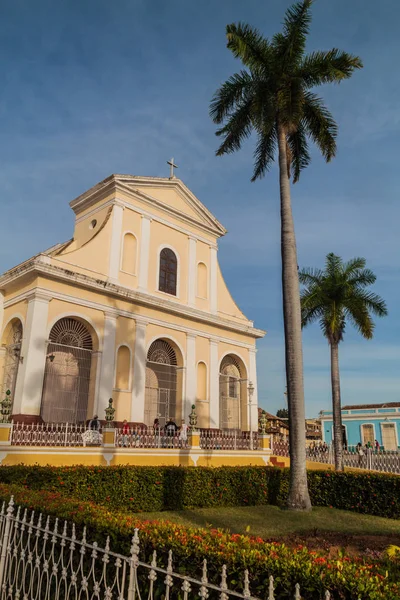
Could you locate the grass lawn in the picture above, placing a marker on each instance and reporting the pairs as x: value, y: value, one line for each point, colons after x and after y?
x: 323, y: 528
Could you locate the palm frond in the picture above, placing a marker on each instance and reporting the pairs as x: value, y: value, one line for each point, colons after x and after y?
x: 309, y: 276
x: 360, y: 318
x: 372, y: 302
x: 362, y: 278
x: 333, y: 265
x: 247, y: 43
x: 354, y: 265
x: 320, y: 125
x: 290, y: 44
x: 330, y: 66
x: 235, y: 89
x: 300, y: 156
x: 264, y: 154
x: 236, y: 130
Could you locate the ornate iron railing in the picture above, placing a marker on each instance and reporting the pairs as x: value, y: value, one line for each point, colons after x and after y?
x: 146, y: 437
x: 214, y: 439
x: 366, y: 458
x: 48, y: 434
x: 43, y: 561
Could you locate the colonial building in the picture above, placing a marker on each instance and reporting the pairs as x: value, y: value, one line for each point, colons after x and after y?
x: 365, y: 423
x: 133, y: 307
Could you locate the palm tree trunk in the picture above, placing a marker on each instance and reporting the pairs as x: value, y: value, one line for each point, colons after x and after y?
x: 336, y: 406
x: 298, y: 498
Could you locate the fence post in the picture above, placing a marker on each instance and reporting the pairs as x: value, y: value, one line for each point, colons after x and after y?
x: 4, y: 543
x: 66, y: 434
x: 133, y: 565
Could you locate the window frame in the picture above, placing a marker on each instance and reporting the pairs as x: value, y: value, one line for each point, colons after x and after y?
x: 177, y: 281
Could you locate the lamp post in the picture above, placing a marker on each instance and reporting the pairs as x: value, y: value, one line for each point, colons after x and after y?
x: 250, y: 390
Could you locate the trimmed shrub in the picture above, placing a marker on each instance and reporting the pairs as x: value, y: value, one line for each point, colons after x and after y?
x: 140, y: 489
x: 346, y: 578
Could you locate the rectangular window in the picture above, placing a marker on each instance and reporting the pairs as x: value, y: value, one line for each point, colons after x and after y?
x: 367, y: 430
x: 389, y: 441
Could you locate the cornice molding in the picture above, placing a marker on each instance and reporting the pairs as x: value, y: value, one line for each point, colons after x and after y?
x: 125, y: 184
x: 141, y: 298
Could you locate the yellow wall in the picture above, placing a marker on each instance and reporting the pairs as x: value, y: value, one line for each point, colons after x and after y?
x: 114, y: 456
x: 227, y: 307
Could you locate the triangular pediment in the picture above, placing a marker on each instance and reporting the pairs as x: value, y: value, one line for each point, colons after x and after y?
x: 168, y: 195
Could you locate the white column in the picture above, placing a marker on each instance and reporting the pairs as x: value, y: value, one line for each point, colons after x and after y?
x: 1, y: 312
x: 116, y: 241
x: 214, y: 385
x: 29, y: 386
x: 144, y: 254
x: 191, y: 375
x: 192, y: 273
x: 139, y: 374
x: 253, y: 379
x: 213, y: 280
x: 106, y: 382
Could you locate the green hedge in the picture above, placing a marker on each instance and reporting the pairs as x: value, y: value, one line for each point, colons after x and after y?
x: 347, y: 578
x: 173, y: 488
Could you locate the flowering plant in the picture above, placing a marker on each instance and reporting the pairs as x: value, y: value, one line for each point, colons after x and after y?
x: 347, y: 578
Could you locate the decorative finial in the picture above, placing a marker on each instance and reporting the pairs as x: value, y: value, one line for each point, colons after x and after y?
x: 173, y: 166
x: 110, y: 412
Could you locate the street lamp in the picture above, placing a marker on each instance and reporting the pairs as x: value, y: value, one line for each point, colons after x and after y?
x: 250, y: 390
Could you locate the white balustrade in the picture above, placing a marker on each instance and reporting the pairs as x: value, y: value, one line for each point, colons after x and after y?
x: 216, y: 439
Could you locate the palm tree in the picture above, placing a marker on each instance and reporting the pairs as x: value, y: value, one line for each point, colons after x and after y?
x: 273, y: 96
x: 334, y: 296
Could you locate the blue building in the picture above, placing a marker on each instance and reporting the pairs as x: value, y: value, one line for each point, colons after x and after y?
x: 366, y: 423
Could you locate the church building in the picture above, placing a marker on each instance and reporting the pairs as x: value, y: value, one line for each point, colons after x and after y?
x: 134, y: 307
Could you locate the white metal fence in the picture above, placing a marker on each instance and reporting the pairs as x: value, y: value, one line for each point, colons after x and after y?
x: 43, y: 562
x: 47, y: 434
x: 148, y: 437
x: 212, y: 439
x: 369, y: 458
x: 73, y: 434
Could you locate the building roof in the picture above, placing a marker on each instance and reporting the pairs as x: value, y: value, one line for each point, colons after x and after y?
x: 384, y: 405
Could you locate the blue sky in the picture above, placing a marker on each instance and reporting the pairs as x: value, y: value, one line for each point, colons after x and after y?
x: 93, y: 87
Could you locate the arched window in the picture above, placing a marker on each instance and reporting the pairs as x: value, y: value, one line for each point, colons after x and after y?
x: 123, y: 368
x: 230, y: 380
x: 128, y: 263
x: 67, y: 373
x: 168, y: 272
x: 201, y: 381
x: 163, y: 382
x: 202, y: 287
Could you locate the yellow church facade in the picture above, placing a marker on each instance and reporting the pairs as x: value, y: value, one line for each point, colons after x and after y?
x: 134, y: 307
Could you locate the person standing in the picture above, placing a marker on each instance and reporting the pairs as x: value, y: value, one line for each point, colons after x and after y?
x: 183, y: 434
x: 125, y: 433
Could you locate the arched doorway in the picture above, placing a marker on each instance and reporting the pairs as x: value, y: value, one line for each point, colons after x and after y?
x: 232, y: 386
x: 163, y: 398
x: 67, y: 373
x: 12, y: 341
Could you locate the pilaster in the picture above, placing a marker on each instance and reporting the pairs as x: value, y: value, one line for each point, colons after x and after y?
x: 116, y: 240
x: 214, y: 384
x: 191, y: 375
x: 144, y: 254
x: 29, y: 385
x: 253, y: 378
x: 139, y: 374
x: 192, y: 273
x: 213, y: 280
x: 1, y: 311
x: 107, y: 362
